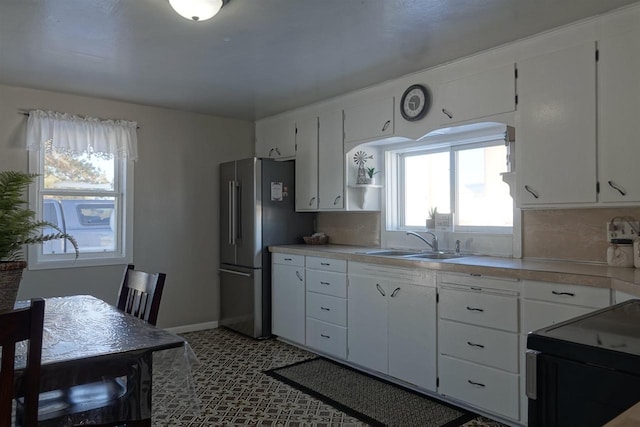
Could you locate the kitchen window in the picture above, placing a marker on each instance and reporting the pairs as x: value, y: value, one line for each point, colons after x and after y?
x: 84, y: 188
x: 458, y: 174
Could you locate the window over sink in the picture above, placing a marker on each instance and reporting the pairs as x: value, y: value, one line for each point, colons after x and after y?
x: 456, y: 170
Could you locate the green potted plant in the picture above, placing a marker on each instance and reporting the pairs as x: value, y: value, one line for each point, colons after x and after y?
x: 431, y: 221
x: 18, y: 227
x: 371, y: 172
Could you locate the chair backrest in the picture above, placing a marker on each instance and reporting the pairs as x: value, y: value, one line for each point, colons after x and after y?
x: 15, y: 326
x: 140, y: 294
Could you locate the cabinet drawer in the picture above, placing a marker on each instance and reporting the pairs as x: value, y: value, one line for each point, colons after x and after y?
x: 586, y: 296
x: 478, y: 308
x: 328, y: 264
x: 480, y: 281
x: 288, y: 259
x: 327, y: 308
x: 327, y: 338
x: 324, y: 282
x: 488, y: 388
x: 539, y: 314
x: 485, y: 346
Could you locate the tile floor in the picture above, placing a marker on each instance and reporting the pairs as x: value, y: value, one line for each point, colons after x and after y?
x: 233, y: 391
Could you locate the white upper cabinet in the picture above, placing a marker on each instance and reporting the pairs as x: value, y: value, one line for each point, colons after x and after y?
x: 330, y: 161
x: 372, y: 120
x: 276, y: 138
x: 307, y: 165
x: 619, y: 118
x: 479, y: 95
x: 556, y: 128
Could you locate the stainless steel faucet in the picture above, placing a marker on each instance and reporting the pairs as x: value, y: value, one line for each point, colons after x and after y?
x: 434, y: 243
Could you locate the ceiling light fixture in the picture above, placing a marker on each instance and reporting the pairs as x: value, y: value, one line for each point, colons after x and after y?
x: 197, y: 10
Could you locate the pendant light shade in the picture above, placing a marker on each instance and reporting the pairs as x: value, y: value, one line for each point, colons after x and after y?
x: 196, y: 10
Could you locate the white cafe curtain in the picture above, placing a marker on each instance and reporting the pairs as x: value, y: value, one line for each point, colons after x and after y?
x: 78, y: 135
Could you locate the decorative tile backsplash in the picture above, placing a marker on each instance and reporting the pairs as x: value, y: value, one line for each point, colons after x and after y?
x: 351, y: 228
x: 569, y: 234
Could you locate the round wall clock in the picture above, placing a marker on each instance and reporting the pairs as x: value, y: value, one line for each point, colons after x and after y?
x: 415, y: 102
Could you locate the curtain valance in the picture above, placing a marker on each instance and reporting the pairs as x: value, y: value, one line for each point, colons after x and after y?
x: 75, y: 134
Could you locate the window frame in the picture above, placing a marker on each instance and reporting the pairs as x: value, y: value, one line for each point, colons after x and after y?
x: 123, y: 194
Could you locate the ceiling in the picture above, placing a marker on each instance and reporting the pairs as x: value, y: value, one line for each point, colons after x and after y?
x: 255, y: 58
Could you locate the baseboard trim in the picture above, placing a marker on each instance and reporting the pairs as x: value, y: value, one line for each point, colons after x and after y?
x: 193, y: 328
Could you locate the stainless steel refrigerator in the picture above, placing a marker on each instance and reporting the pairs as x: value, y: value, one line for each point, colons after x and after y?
x: 257, y: 209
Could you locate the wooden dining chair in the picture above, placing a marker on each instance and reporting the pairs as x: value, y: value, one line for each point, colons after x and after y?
x: 15, y: 326
x: 140, y: 294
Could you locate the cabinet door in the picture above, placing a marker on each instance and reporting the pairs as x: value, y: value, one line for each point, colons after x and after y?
x: 287, y: 302
x: 556, y: 128
x: 307, y: 165
x: 480, y: 95
x: 330, y: 162
x: 412, y: 334
x: 619, y: 118
x: 369, y: 121
x: 276, y: 139
x: 367, y: 323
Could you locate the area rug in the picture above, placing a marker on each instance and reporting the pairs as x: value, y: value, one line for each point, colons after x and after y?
x: 370, y: 399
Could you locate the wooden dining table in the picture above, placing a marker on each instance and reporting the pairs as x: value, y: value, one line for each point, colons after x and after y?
x: 86, y: 340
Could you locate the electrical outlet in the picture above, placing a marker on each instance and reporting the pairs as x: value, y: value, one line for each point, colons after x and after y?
x: 623, y: 229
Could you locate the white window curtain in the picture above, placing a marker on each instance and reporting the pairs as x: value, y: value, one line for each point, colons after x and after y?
x: 75, y: 134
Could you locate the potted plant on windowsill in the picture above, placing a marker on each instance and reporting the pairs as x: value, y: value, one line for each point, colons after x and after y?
x: 371, y: 172
x: 18, y: 227
x: 431, y: 221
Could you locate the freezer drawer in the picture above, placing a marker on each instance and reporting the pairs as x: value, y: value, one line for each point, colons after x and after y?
x: 241, y: 297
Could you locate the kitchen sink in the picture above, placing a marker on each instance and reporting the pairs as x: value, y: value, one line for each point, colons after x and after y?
x: 392, y: 252
x: 436, y: 255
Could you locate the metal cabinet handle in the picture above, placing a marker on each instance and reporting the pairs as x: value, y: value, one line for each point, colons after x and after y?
x: 474, y: 344
x: 325, y: 263
x: 474, y: 309
x: 475, y: 289
x: 447, y: 113
x: 299, y: 275
x: 395, y: 292
x: 278, y: 151
x: 380, y: 290
x: 325, y: 283
x: 617, y: 187
x: 311, y: 201
x: 476, y: 384
x: 569, y: 294
x: 386, y: 125
x: 271, y: 151
x: 288, y: 259
x: 533, y: 193
x: 475, y: 274
x: 325, y: 336
x: 325, y: 309
x: 335, y: 202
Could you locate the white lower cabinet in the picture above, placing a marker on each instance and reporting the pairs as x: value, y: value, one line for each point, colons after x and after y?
x: 288, y: 297
x: 392, y: 322
x: 478, y: 342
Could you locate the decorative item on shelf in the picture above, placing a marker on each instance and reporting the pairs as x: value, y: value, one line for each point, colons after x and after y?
x: 371, y: 172
x: 620, y: 253
x: 18, y: 227
x: 360, y: 158
x: 431, y: 221
x: 316, y: 239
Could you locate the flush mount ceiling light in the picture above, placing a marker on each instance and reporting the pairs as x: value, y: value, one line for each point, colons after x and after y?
x: 197, y: 10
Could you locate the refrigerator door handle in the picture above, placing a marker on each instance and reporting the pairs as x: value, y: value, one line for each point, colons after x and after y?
x: 238, y: 273
x: 238, y: 207
x: 531, y: 377
x: 231, y: 214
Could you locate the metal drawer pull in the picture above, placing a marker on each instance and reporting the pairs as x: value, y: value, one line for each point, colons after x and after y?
x: 299, y: 275
x: 325, y: 283
x: 569, y: 294
x: 325, y: 309
x: 475, y: 289
x: 447, y: 113
x: 380, y: 290
x: 325, y: 263
x: 533, y: 193
x: 395, y: 292
x: 475, y: 274
x: 474, y: 309
x: 288, y: 259
x: 616, y: 187
x: 237, y: 273
x: 335, y: 202
x: 474, y: 344
x: 325, y: 336
x: 476, y: 384
x: 386, y: 125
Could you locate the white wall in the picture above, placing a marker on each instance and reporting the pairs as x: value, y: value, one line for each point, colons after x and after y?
x: 175, y: 199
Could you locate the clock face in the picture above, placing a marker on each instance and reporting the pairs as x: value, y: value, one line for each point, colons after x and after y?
x: 415, y: 103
